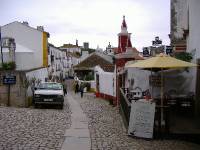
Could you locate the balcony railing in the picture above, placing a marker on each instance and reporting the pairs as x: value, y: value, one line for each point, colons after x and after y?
x: 125, y: 107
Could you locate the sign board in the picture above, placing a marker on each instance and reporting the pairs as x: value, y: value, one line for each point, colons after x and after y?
x: 157, y: 41
x: 141, y: 119
x: 146, y: 52
x: 9, y: 79
x: 169, y: 49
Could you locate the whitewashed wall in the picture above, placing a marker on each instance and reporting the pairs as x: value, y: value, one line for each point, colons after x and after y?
x: 194, y: 30
x: 187, y: 17
x: 72, y: 49
x: 21, y: 59
x: 93, y: 84
x: 59, y: 60
x: 75, y: 61
x: 30, y: 38
x: 64, y: 64
x: 85, y: 54
x: 181, y: 15
x: 193, y: 44
x: 177, y: 80
x: 38, y: 74
x: 107, y: 82
x: 138, y: 78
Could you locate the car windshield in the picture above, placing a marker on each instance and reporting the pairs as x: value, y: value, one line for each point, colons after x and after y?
x: 50, y: 86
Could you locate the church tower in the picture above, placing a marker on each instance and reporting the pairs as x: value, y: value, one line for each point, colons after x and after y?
x: 124, y: 38
x: 124, y: 53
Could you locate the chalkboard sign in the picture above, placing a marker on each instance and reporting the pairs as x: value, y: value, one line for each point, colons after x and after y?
x: 9, y: 79
x: 141, y: 119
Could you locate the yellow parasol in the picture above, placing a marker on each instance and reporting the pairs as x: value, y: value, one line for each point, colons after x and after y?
x: 161, y: 61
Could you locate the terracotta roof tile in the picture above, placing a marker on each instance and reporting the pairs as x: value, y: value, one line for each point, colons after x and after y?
x: 108, y: 68
x: 92, y: 61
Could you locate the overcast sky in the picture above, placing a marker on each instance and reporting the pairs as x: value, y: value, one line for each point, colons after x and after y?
x: 95, y: 21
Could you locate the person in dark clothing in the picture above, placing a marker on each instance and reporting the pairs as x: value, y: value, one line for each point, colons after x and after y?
x: 81, y: 89
x: 76, y: 88
x: 64, y: 87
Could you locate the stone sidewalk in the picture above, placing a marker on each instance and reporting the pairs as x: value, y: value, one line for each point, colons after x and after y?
x: 77, y: 137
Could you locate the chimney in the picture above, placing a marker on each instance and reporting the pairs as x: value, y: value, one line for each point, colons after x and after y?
x: 25, y: 23
x: 40, y: 28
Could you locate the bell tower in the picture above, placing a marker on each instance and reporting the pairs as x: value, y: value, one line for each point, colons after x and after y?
x: 124, y: 38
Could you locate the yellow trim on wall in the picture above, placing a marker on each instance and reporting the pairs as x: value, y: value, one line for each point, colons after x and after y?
x: 45, y: 50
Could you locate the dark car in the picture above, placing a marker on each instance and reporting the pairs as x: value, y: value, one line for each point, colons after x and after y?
x: 49, y: 93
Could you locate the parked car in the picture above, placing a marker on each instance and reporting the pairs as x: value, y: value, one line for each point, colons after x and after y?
x: 49, y: 93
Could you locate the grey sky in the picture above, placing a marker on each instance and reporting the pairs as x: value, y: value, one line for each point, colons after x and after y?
x: 95, y: 21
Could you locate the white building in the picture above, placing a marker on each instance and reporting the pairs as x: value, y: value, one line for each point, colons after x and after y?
x: 58, y: 63
x: 31, y: 52
x: 185, y: 30
x: 84, y: 55
x: 31, y: 45
x: 109, y: 50
x: 73, y: 57
x: 106, y: 89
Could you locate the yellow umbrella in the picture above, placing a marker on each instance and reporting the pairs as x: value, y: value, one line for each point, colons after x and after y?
x: 161, y: 61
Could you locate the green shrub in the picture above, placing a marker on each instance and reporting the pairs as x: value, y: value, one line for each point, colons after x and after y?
x: 185, y: 56
x: 9, y: 66
x: 89, y: 77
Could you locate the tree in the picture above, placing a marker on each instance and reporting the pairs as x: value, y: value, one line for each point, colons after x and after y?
x: 185, y: 56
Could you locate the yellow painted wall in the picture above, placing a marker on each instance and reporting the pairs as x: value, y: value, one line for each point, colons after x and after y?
x: 45, y: 50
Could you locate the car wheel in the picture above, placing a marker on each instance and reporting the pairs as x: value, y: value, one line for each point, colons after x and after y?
x: 36, y: 106
x: 61, y: 106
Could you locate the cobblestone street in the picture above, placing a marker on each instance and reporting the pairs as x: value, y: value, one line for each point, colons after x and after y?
x: 108, y: 132
x: 33, y: 129
x: 44, y: 129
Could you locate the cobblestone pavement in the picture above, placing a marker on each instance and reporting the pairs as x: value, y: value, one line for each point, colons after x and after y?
x: 33, y: 129
x: 108, y: 132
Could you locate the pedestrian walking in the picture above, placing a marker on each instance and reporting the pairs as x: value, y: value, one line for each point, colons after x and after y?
x: 81, y: 89
x: 64, y: 87
x: 76, y: 87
